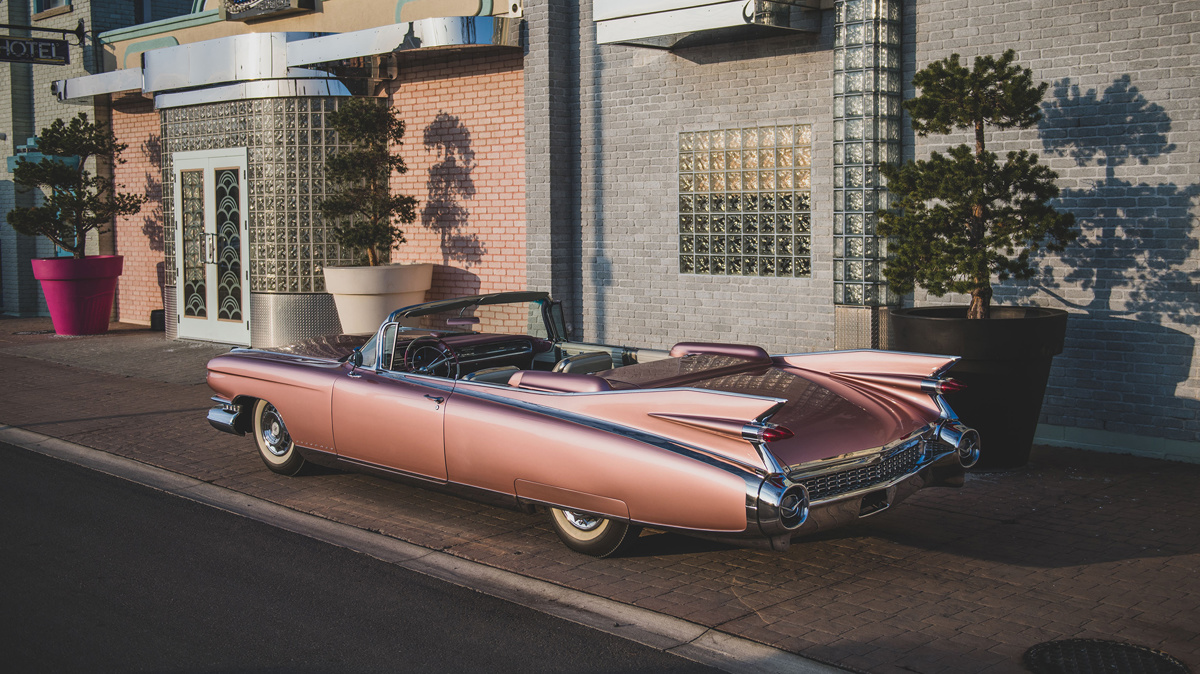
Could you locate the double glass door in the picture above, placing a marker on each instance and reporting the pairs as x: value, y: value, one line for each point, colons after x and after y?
x: 211, y: 246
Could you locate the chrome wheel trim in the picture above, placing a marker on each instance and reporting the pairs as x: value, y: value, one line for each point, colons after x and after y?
x: 583, y: 521
x: 274, y: 435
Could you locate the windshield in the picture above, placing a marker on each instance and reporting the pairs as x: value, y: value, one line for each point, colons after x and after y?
x: 464, y: 318
x: 514, y: 318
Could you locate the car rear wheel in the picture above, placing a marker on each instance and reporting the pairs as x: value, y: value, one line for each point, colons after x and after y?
x: 592, y: 534
x: 275, y: 444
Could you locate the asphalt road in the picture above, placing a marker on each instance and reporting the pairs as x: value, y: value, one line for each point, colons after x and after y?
x: 102, y: 574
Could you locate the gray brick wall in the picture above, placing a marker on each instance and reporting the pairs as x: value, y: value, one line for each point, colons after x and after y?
x: 1122, y: 129
x: 632, y: 105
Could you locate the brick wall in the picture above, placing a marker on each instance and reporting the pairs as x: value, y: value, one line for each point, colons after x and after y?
x: 625, y: 115
x: 139, y: 237
x: 1122, y: 129
x: 464, y: 147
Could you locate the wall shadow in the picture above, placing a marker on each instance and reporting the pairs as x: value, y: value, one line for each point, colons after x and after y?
x: 1133, y: 255
x: 153, y: 226
x: 449, y: 185
x: 450, y: 282
x: 152, y: 222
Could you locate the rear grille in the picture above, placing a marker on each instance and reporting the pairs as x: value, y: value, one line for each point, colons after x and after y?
x: 834, y: 484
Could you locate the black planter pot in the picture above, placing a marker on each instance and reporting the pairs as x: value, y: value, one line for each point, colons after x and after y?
x: 1005, y: 365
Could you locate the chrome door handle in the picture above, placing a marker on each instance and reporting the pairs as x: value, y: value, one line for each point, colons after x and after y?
x: 210, y: 248
x: 437, y: 399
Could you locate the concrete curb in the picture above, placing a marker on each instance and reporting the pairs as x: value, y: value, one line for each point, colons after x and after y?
x: 681, y: 637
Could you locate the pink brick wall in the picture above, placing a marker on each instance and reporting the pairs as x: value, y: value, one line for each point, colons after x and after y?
x: 465, y: 150
x: 139, y: 237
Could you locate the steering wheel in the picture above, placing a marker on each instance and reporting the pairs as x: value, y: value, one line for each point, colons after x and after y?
x: 432, y: 356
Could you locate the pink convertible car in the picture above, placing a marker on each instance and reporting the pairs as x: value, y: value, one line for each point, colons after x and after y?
x: 487, y: 396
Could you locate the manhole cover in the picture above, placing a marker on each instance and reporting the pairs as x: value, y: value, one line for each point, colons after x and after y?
x: 1097, y: 656
x: 34, y: 332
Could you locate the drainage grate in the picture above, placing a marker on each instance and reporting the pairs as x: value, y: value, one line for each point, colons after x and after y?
x: 34, y: 332
x: 1097, y: 656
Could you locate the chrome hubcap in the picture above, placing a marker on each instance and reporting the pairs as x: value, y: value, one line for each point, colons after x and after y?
x: 581, y: 521
x: 274, y: 433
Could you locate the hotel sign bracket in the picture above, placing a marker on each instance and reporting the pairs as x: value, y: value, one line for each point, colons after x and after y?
x: 39, y: 50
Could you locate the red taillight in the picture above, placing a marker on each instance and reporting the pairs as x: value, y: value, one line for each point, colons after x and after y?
x: 773, y: 433
x: 950, y: 386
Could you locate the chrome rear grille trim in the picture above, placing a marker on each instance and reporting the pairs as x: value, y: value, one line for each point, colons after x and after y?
x: 831, y: 485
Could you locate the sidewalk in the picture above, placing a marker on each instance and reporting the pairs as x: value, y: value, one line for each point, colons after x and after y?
x: 1077, y: 545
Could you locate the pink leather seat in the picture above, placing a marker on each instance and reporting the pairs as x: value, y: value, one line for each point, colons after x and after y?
x: 538, y: 380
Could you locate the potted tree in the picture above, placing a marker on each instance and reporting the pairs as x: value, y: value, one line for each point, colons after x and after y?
x: 78, y: 289
x: 958, y: 220
x: 367, y: 214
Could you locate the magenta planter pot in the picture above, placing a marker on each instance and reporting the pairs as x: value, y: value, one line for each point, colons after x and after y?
x: 79, y: 293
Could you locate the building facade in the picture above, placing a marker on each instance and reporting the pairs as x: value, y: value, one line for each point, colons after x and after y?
x: 678, y: 169
x: 29, y: 107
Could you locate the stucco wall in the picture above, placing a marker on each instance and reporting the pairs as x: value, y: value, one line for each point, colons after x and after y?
x: 464, y: 147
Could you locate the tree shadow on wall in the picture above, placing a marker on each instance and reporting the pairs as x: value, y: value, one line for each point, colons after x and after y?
x: 152, y: 218
x: 449, y: 185
x: 153, y: 226
x: 1133, y: 253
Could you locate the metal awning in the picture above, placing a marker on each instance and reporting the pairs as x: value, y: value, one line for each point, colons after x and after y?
x: 673, y: 24
x: 238, y: 64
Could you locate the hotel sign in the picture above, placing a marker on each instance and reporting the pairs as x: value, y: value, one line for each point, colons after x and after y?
x: 34, y: 50
x: 252, y: 10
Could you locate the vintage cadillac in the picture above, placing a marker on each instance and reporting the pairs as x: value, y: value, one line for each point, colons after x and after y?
x: 488, y: 397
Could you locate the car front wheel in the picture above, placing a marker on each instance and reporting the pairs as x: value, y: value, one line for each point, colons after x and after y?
x: 275, y: 444
x: 592, y: 534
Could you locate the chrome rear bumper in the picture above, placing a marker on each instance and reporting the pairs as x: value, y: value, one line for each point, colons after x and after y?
x: 225, y: 416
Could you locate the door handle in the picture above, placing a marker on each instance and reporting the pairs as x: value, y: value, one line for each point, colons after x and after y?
x: 437, y: 399
x: 210, y: 248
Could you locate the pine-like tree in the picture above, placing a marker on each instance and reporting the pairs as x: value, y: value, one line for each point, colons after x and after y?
x: 960, y: 218
x: 74, y: 202
x: 361, y: 199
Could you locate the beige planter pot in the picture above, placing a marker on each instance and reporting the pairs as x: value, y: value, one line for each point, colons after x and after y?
x: 366, y: 295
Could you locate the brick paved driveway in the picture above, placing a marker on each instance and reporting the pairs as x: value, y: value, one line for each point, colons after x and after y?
x: 1079, y: 544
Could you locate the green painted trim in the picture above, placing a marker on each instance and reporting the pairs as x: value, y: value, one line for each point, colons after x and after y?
x: 1118, y: 443
x: 148, y: 45
x: 161, y: 26
x: 399, y: 6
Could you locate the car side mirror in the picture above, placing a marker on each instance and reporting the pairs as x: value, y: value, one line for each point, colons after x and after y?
x: 356, y: 359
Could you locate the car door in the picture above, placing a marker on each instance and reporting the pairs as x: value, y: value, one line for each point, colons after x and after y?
x: 392, y: 420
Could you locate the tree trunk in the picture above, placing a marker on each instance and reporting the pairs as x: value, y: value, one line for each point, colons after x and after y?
x: 981, y: 303
x: 981, y: 296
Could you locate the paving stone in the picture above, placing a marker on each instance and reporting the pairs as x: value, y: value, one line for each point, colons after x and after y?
x: 1077, y: 544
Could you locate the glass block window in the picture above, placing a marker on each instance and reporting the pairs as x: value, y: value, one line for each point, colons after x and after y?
x: 866, y: 133
x: 744, y: 201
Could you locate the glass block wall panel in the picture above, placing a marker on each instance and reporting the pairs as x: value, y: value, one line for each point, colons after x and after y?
x: 866, y: 133
x: 744, y: 201
x: 287, y: 142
